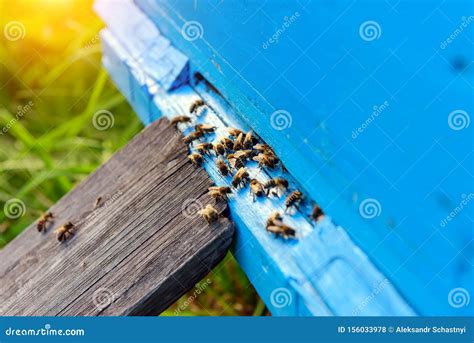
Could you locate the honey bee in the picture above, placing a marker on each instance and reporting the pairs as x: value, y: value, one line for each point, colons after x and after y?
x: 227, y: 142
x: 243, y: 154
x: 317, y: 213
x: 278, y: 183
x: 196, y: 159
x: 249, y: 140
x: 193, y: 136
x: 180, y: 119
x: 219, y: 148
x: 45, y: 219
x: 237, y: 162
x: 209, y: 213
x: 240, y: 178
x: 293, y: 200
x: 265, y: 160
x: 196, y: 105
x: 239, y: 142
x: 234, y: 132
x: 275, y: 219
x: 222, y: 166
x: 256, y: 188
x: 97, y: 202
x: 263, y: 148
x: 64, y: 232
x: 282, y: 230
x: 205, y: 128
x: 204, y: 148
x: 219, y: 192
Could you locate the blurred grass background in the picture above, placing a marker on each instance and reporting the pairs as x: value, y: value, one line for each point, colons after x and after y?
x: 51, y: 84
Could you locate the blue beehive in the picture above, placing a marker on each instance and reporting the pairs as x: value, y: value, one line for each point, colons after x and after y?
x: 367, y: 103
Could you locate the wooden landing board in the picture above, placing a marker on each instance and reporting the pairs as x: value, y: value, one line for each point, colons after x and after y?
x: 136, y: 253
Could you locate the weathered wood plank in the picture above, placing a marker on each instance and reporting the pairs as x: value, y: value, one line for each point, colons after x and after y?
x: 135, y: 254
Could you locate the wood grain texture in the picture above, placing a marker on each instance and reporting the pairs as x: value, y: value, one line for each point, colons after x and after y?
x: 135, y: 254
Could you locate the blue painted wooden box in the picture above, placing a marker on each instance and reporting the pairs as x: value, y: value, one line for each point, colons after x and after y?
x: 367, y: 103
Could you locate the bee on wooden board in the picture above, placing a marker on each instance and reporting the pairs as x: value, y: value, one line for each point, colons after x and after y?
x: 204, y: 148
x: 196, y: 105
x: 180, y: 119
x: 276, y: 184
x: 293, y: 200
x: 195, y: 158
x: 256, y: 189
x: 97, y: 202
x: 234, y: 132
x: 193, y: 136
x: 205, y: 128
x: 240, y: 178
x: 239, y: 142
x: 219, y: 192
x: 264, y: 160
x: 317, y: 213
x: 209, y: 213
x: 45, y: 219
x: 222, y: 166
x: 65, y: 232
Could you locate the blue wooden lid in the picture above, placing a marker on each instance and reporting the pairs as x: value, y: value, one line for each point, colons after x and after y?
x: 369, y: 105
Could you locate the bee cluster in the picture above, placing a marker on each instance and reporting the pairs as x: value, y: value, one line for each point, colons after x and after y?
x: 62, y: 233
x: 231, y: 153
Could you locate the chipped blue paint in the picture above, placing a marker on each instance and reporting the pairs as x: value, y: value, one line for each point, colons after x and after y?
x: 325, y: 257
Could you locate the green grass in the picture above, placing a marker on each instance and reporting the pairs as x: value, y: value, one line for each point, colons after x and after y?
x: 52, y: 83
